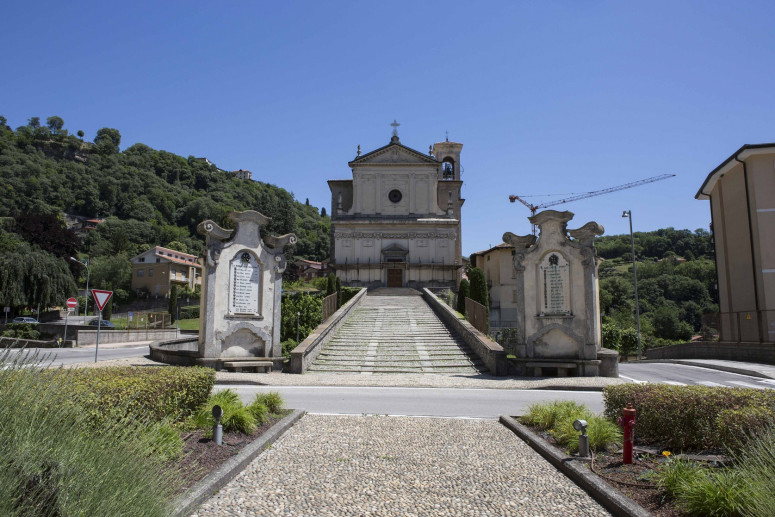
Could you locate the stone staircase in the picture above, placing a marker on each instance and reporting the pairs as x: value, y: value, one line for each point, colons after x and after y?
x: 395, y: 331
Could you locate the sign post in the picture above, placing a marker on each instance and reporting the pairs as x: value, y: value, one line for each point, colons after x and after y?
x: 72, y: 303
x: 100, y: 300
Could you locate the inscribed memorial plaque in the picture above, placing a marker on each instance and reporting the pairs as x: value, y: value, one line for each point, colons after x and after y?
x: 244, y: 285
x: 555, y: 288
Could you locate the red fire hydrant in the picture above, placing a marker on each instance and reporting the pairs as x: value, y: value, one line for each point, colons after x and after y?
x: 627, y: 423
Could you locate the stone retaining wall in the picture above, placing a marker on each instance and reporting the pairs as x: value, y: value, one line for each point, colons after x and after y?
x: 490, y: 352
x: 303, y: 355
x: 89, y: 337
x: 731, y: 351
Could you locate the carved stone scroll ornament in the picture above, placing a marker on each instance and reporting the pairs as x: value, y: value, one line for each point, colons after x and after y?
x: 279, y: 242
x: 214, y: 238
x: 586, y: 234
x: 519, y: 241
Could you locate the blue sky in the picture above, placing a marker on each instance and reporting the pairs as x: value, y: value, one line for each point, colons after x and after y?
x: 547, y: 97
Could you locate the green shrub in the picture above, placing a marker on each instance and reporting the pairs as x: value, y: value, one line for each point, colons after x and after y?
x: 462, y: 294
x: 272, y: 400
x: 602, y: 433
x: 236, y: 417
x: 348, y: 292
x: 53, y: 463
x: 736, y: 426
x: 159, y: 394
x: 22, y: 330
x: 189, y: 313
x: 164, y: 442
x: 287, y: 346
x: 681, y: 417
x: 558, y: 418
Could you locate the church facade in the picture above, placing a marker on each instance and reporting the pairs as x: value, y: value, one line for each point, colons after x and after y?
x: 396, y: 223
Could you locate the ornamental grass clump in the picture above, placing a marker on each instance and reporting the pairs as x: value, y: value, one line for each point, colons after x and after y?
x: 236, y: 417
x: 557, y: 418
x: 756, y: 463
x: 53, y: 462
x: 272, y: 400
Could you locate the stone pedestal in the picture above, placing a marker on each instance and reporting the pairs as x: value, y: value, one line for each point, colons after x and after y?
x: 241, y: 289
x: 558, y: 305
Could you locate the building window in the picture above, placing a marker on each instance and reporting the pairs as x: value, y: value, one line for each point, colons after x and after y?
x: 141, y: 259
x: 140, y: 272
x: 150, y: 272
x: 395, y: 196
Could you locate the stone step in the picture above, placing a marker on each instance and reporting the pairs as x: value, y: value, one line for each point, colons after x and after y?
x: 395, y: 334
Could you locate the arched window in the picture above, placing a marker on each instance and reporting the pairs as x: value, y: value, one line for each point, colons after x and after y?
x: 448, y: 169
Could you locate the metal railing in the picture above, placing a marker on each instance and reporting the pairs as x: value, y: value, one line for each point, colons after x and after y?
x: 329, y: 306
x: 476, y: 314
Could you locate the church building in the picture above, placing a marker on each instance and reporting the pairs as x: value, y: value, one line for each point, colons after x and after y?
x: 396, y: 223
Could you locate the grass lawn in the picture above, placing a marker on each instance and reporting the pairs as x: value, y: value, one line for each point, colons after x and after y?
x: 189, y: 324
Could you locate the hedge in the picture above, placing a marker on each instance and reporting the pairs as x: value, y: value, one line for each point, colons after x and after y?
x: 348, y: 293
x: 189, y: 312
x: 157, y: 393
x: 683, y: 417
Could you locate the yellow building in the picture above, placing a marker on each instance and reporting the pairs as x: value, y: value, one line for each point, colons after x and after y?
x: 742, y: 205
x: 498, y: 266
x: 156, y: 270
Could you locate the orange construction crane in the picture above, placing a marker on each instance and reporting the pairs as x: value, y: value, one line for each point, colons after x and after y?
x: 533, y: 208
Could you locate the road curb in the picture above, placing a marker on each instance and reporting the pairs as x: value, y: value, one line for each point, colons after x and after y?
x: 576, y: 471
x: 187, y: 503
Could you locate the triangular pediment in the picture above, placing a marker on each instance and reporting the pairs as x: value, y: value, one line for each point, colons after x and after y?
x: 394, y: 154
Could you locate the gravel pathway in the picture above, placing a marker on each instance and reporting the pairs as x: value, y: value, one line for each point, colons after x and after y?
x: 398, y: 466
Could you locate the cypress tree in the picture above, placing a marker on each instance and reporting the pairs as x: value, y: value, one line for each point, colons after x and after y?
x: 338, y: 292
x: 462, y: 292
x: 173, y: 305
x: 331, y: 285
x: 479, y: 287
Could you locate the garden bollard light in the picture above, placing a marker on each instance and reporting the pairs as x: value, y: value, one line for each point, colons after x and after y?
x: 217, y: 428
x: 627, y: 423
x: 581, y: 425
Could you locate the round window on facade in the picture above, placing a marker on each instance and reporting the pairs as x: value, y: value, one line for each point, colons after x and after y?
x: 395, y: 196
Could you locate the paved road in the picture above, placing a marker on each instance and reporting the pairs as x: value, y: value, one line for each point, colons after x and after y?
x: 62, y: 356
x: 437, y: 402
x: 679, y: 374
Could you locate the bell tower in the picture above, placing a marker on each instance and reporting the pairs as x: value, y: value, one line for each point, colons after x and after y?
x: 448, y: 153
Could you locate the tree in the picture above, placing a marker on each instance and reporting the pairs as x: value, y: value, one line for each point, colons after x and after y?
x: 111, y: 272
x: 33, y: 122
x: 49, y: 232
x: 462, y: 293
x: 338, y: 292
x: 479, y: 287
x: 80, y: 134
x: 177, y: 246
x: 30, y: 277
x: 323, y: 212
x: 306, y: 202
x: 55, y: 124
x: 173, y: 305
x: 108, y: 140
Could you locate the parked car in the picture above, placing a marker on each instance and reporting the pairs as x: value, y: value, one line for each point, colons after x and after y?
x: 104, y: 324
x: 24, y: 319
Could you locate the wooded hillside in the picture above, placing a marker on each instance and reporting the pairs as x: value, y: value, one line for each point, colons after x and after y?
x: 146, y: 196
x: 676, y: 286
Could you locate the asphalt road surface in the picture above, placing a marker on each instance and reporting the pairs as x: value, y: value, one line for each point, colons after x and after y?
x: 431, y: 402
x: 678, y: 374
x: 62, y: 356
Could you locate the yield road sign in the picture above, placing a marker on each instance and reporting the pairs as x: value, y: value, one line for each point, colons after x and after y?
x: 72, y: 303
x: 101, y: 298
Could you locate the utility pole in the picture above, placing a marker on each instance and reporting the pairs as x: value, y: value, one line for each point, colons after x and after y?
x: 85, y: 264
x: 628, y: 214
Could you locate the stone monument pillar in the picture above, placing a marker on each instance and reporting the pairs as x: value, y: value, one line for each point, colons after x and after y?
x: 241, y: 288
x: 558, y: 313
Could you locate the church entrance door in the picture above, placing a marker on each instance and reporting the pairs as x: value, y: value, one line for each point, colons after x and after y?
x: 395, y: 278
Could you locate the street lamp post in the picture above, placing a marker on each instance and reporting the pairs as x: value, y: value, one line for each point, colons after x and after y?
x: 85, y: 264
x: 628, y: 214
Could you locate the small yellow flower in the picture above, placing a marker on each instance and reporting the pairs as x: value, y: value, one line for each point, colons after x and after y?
x: 666, y: 454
